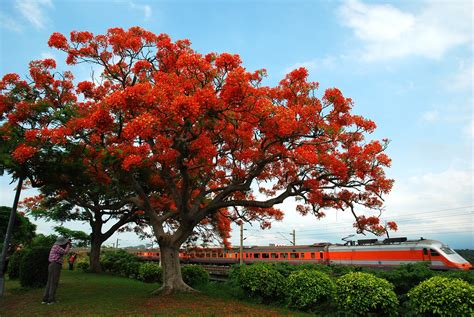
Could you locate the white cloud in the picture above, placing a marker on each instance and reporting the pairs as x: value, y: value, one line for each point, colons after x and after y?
x: 435, y: 205
x: 328, y: 62
x: 33, y: 11
x: 8, y: 23
x: 469, y: 129
x: 430, y: 116
x: 388, y: 32
x: 453, y: 114
x: 45, y: 55
x: 462, y: 80
x: 147, y: 11
x: 450, y: 188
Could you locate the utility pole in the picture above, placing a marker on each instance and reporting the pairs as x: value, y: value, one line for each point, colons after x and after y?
x: 241, y: 243
x: 294, y: 237
x: 8, y: 235
x: 116, y: 244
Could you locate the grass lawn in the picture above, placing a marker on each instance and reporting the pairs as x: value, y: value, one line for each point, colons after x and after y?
x: 82, y: 294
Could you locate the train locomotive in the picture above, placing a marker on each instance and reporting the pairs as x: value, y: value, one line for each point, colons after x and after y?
x: 368, y: 252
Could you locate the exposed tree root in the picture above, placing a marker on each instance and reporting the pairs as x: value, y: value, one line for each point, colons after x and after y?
x: 168, y: 290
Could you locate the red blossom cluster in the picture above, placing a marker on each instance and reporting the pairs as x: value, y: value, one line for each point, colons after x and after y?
x: 23, y: 153
x: 373, y: 225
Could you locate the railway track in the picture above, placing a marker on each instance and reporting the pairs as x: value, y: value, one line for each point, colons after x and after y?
x: 217, y: 272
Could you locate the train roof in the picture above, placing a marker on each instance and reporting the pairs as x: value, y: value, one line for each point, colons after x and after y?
x: 322, y: 245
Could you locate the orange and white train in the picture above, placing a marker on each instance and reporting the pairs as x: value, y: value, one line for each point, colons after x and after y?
x: 369, y: 252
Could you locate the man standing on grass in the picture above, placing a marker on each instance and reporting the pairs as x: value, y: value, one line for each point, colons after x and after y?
x: 59, y: 249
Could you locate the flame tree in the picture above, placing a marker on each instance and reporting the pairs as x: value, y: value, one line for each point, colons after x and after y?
x: 35, y: 148
x: 198, y: 141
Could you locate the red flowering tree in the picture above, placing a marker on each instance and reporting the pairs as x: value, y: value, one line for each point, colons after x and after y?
x: 201, y: 142
x: 35, y: 147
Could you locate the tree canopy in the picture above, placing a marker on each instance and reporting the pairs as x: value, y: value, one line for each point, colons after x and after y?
x: 192, y: 141
x: 23, y: 230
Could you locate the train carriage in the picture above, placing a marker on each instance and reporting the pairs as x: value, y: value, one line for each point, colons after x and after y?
x: 369, y: 252
x: 395, y: 252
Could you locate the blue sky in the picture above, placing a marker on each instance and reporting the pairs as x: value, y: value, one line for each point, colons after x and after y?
x: 408, y: 65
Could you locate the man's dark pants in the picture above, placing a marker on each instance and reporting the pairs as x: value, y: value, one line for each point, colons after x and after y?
x: 54, y: 270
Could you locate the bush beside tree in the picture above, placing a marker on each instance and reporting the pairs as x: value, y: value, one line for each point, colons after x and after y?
x: 130, y: 269
x: 362, y: 293
x: 261, y: 280
x: 121, y: 263
x: 150, y: 272
x: 194, y: 275
x: 83, y: 265
x: 407, y: 276
x: 305, y: 289
x: 34, y: 267
x: 13, y: 269
x: 441, y: 296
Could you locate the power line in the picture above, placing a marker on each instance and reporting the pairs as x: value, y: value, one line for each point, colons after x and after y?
x: 399, y: 220
x: 402, y: 232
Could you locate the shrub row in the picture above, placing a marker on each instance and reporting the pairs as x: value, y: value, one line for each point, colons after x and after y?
x: 121, y: 263
x: 30, y: 266
x: 128, y: 265
x: 354, y: 293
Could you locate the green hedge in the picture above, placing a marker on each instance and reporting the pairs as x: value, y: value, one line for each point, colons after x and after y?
x: 83, y: 265
x: 407, y: 276
x: 307, y: 289
x: 441, y: 296
x: 13, y: 269
x: 150, y: 272
x: 121, y: 263
x: 34, y: 267
x: 261, y: 280
x: 194, y: 275
x: 362, y: 293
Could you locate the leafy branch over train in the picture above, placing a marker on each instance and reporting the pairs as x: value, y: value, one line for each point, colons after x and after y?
x: 188, y: 143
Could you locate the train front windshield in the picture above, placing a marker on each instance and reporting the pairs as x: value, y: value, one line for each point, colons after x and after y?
x: 447, y: 250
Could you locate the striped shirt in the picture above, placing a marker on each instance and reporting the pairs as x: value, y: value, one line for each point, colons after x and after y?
x: 56, y: 254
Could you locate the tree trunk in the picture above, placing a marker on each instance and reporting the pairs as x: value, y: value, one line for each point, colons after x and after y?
x: 172, y: 278
x: 94, y: 259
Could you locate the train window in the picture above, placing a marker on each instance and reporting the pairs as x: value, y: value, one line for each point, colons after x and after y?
x: 313, y: 256
x: 425, y: 251
x: 321, y: 255
x: 265, y: 255
x: 302, y: 255
x: 274, y: 255
x: 284, y: 255
x: 447, y: 250
x: 256, y: 255
x: 294, y: 255
x: 434, y: 252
